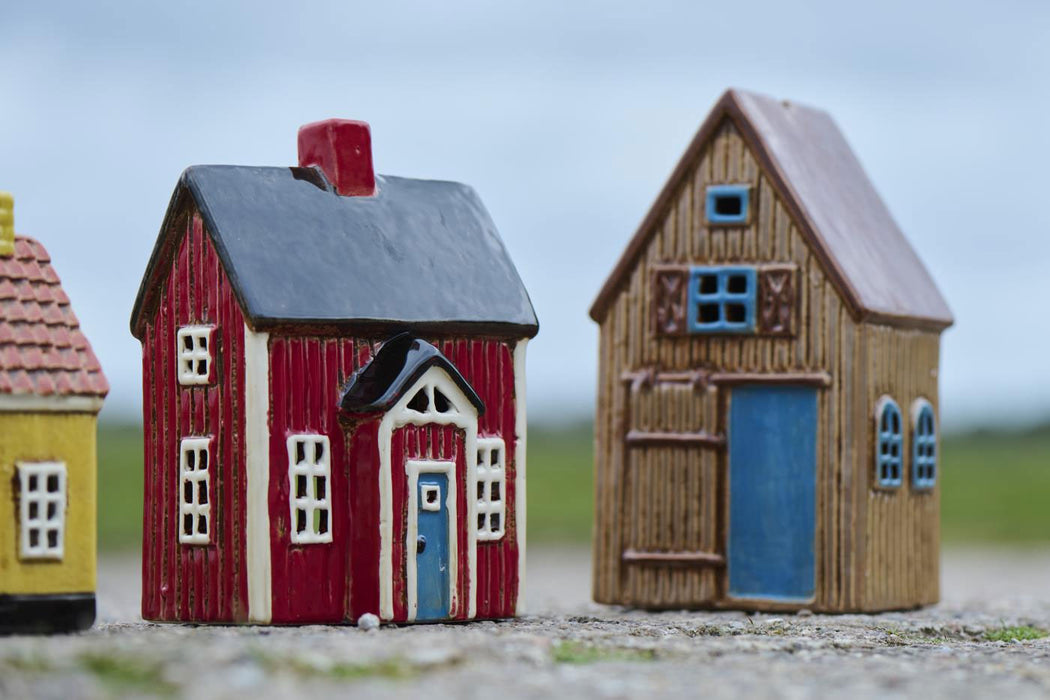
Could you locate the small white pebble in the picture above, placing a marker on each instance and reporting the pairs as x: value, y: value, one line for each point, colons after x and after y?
x: 368, y: 622
x: 805, y: 612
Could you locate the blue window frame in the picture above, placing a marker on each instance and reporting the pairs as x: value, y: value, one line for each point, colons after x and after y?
x: 923, y: 446
x: 727, y: 204
x: 889, y: 457
x: 722, y: 299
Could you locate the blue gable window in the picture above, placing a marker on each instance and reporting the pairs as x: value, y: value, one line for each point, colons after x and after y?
x: 923, y: 446
x: 727, y: 204
x: 889, y: 458
x: 722, y: 299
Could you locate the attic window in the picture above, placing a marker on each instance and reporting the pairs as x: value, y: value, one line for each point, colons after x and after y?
x: 722, y: 299
x: 431, y: 399
x: 193, y: 347
x: 727, y: 204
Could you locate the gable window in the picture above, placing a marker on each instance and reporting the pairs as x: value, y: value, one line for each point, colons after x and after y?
x: 492, y: 471
x: 727, y: 204
x: 923, y: 446
x: 431, y: 399
x: 310, y: 488
x: 193, y: 348
x: 42, y: 509
x: 722, y: 299
x: 195, y: 490
x: 889, y: 458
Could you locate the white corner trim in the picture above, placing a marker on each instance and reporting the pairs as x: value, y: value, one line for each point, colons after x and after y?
x: 414, y: 467
x: 520, y: 428
x: 34, y: 403
x: 257, y: 468
x: 463, y: 415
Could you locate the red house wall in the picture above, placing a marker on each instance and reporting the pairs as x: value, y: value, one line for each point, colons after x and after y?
x: 310, y: 581
x: 340, y: 580
x: 194, y: 582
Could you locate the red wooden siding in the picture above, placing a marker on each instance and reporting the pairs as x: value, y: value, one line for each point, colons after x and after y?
x: 194, y: 582
x: 306, y: 376
x: 489, y: 367
x: 340, y: 580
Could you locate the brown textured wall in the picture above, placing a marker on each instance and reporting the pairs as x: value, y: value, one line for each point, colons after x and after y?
x: 670, y: 498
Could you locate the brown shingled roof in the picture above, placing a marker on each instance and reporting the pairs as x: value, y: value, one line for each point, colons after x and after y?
x: 42, y: 350
x: 830, y: 197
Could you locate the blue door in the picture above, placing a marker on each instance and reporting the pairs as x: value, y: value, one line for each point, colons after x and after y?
x: 772, y: 487
x: 432, y: 590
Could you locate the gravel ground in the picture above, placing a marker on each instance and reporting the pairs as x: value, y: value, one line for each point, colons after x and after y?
x: 571, y: 647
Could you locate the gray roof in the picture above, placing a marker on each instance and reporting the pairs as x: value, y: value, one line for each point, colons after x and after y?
x: 420, y: 254
x: 837, y: 207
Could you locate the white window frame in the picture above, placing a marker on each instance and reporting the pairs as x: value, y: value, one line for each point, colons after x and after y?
x: 310, y: 468
x: 187, y: 359
x: 195, y: 476
x: 491, y: 471
x: 42, y: 510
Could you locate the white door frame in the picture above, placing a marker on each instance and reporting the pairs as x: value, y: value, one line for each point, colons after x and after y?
x: 415, y: 467
x: 461, y: 414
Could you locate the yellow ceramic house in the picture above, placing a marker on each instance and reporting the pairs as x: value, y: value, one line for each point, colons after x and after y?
x: 51, y: 389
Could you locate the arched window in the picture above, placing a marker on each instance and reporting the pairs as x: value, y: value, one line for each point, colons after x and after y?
x: 923, y: 445
x: 889, y: 457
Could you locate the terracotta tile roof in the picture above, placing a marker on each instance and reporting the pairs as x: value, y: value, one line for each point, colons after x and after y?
x: 42, y: 350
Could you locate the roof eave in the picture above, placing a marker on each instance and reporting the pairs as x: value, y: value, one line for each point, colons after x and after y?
x: 384, y: 328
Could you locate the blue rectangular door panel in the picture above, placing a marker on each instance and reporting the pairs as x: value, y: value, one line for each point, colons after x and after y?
x: 772, y: 492
x: 432, y: 574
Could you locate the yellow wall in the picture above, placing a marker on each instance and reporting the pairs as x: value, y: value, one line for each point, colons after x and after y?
x: 62, y: 437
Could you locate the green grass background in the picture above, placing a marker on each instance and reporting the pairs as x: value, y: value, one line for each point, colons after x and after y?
x: 995, y: 486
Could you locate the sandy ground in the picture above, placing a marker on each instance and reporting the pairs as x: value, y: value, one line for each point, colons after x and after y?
x: 570, y: 647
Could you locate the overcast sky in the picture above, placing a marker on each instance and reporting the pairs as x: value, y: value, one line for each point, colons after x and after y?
x: 567, y: 117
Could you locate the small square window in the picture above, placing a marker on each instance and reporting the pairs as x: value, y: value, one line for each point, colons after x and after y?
x: 727, y: 204
x: 431, y: 497
x: 194, y: 355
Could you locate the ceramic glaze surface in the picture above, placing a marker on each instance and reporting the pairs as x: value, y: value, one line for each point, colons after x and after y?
x: 692, y: 509
x: 432, y: 563
x: 772, y: 482
x: 51, y: 389
x: 325, y: 338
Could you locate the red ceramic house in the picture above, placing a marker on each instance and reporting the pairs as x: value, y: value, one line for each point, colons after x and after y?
x: 333, y: 391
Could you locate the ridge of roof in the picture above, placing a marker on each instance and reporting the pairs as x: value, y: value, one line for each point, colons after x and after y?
x: 831, y: 199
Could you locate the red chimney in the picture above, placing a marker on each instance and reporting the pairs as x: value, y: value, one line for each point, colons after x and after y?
x: 343, y: 150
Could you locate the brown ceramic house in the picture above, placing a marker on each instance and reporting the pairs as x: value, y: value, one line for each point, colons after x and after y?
x: 767, y: 400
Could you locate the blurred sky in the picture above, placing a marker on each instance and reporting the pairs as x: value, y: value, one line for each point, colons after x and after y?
x: 567, y: 117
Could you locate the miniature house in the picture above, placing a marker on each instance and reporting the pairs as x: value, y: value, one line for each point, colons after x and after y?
x: 766, y: 425
x: 51, y: 390
x: 334, y: 396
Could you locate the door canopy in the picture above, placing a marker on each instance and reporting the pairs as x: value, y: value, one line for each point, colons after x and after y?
x: 396, y: 368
